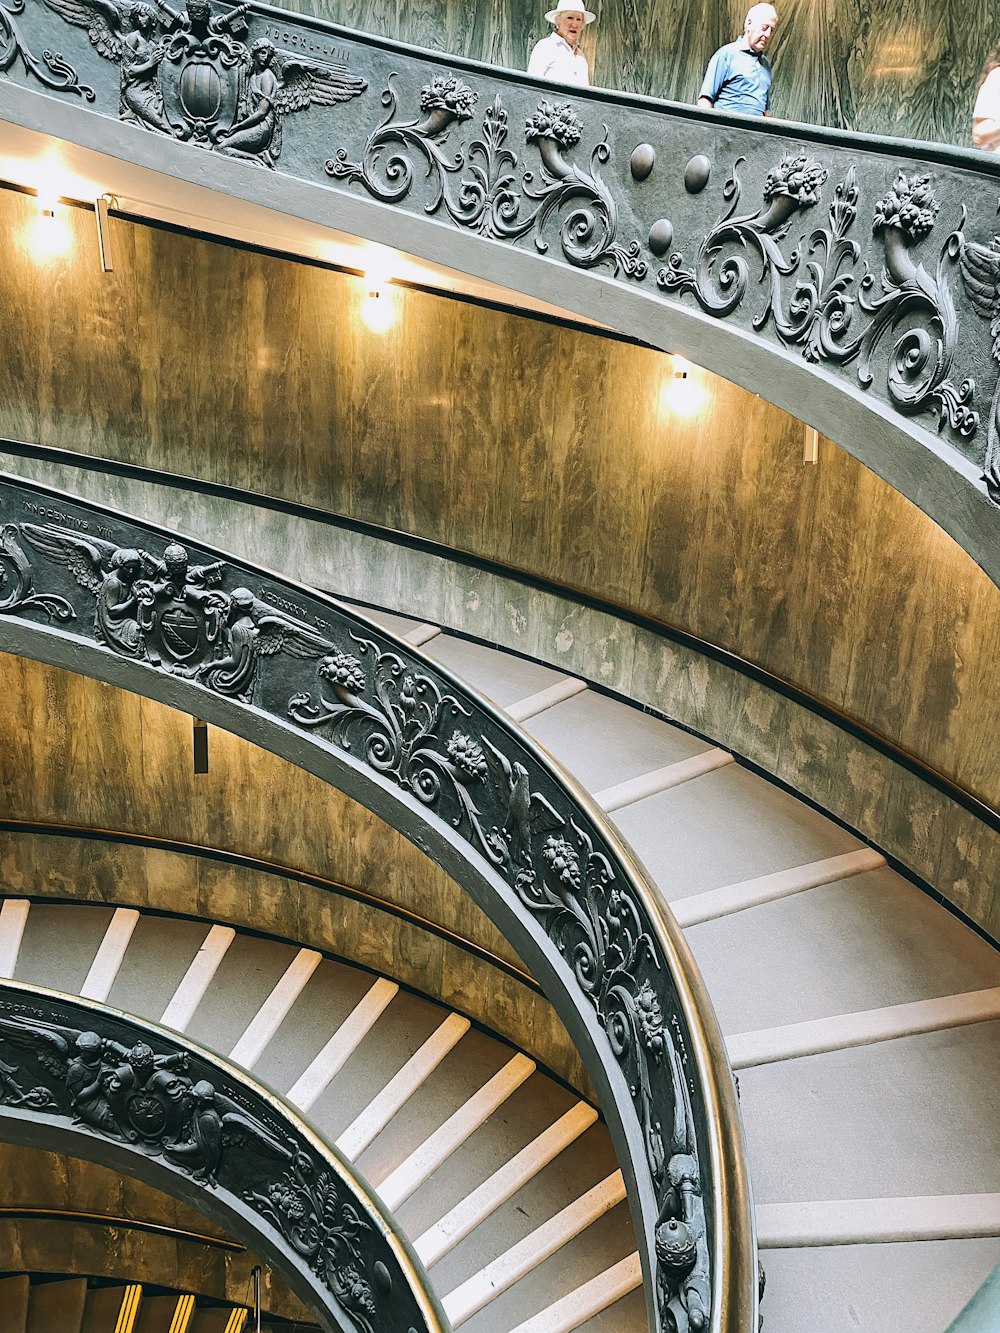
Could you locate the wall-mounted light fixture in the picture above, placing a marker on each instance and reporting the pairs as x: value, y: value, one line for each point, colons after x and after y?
x: 49, y: 233
x: 810, y: 445
x: 379, y: 308
x: 101, y: 205
x: 682, y: 394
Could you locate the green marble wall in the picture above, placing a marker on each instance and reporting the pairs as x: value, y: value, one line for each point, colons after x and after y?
x: 857, y: 64
x: 540, y: 447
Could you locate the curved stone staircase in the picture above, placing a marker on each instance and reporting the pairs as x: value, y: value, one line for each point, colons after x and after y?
x: 445, y: 1120
x: 861, y: 1016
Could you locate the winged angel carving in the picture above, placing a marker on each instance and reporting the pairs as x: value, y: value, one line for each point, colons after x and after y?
x: 133, y: 1094
x: 172, y: 614
x: 192, y: 75
x: 981, y: 273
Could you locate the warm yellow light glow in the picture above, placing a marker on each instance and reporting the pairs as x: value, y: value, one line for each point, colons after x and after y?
x: 682, y: 367
x: 380, y: 308
x: 49, y: 234
x: 681, y: 397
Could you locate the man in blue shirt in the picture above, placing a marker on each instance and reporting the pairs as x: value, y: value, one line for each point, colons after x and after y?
x: 738, y: 77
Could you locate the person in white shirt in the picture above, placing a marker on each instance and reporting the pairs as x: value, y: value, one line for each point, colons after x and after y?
x: 558, y: 56
x: 986, y: 114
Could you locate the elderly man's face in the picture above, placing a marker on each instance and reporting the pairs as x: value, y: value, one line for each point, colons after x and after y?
x: 760, y: 26
x: 569, y: 26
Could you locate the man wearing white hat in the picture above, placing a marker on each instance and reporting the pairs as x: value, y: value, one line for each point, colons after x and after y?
x: 558, y: 57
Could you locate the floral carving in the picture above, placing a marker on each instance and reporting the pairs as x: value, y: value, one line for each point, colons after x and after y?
x: 558, y: 122
x: 910, y: 205
x: 798, y: 178
x: 402, y: 722
x: 52, y: 70
x: 326, y: 1230
x: 482, y: 188
x: 829, y: 313
x: 467, y: 755
x: 448, y: 94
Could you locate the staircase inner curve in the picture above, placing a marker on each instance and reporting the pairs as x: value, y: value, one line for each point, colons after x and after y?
x: 411, y: 742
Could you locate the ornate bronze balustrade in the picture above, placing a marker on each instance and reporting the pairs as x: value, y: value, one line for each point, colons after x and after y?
x: 80, y: 1078
x: 869, y: 268
x: 291, y: 670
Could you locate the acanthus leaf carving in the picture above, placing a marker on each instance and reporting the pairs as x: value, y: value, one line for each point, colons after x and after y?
x: 52, y: 70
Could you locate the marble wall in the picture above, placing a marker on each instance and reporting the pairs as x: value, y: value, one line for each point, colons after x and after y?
x: 34, y: 1179
x: 855, y: 64
x: 541, y: 447
x: 80, y: 753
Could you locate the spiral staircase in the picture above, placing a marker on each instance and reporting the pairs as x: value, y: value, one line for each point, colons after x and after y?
x: 861, y: 1016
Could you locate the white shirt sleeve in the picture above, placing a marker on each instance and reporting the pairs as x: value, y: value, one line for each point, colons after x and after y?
x: 986, y: 114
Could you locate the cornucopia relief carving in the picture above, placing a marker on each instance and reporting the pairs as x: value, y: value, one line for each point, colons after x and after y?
x: 867, y: 263
x: 142, y: 597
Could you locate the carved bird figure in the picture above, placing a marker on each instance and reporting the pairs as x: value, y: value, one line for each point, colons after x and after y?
x: 527, y: 812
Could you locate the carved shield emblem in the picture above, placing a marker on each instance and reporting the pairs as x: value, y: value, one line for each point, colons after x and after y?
x: 200, y: 81
x: 182, y: 632
x: 146, y: 1114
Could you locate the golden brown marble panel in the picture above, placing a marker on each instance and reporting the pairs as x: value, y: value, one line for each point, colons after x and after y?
x: 77, y: 752
x: 543, y: 447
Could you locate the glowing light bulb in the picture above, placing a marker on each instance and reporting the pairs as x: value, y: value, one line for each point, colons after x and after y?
x: 49, y: 235
x: 682, y: 395
x: 379, y: 309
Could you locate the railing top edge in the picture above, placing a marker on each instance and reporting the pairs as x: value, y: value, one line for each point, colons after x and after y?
x: 988, y: 164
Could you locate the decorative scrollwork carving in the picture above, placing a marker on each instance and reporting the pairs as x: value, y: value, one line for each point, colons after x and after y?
x: 494, y: 197
x: 223, y: 1136
x: 980, y: 266
x: 52, y: 70
x: 402, y: 723
x: 327, y: 1231
x: 820, y: 314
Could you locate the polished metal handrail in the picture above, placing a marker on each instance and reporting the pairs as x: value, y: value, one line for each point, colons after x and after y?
x: 297, y: 673
x: 80, y: 1077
